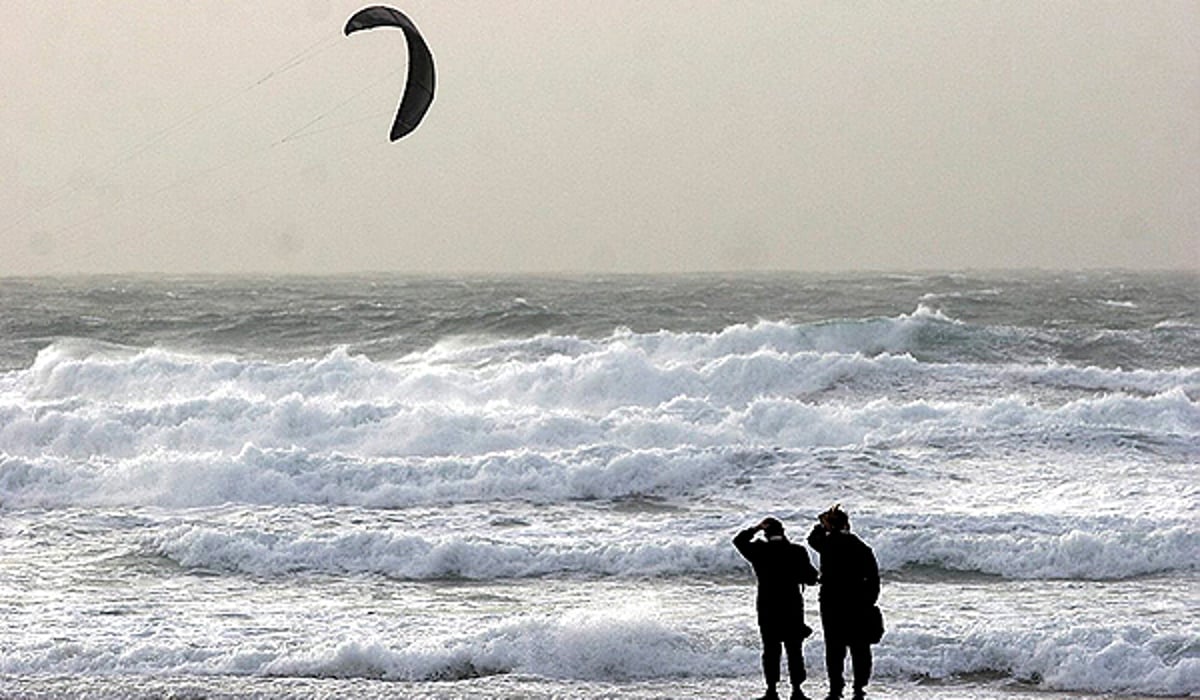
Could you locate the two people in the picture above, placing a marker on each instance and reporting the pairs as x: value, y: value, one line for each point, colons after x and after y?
x: 849, y: 579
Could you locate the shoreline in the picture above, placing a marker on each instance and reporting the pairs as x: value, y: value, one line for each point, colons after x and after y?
x: 500, y: 687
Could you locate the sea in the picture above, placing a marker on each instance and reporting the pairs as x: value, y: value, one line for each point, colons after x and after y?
x: 385, y: 486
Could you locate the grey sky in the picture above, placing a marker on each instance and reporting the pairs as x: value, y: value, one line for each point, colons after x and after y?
x: 622, y: 136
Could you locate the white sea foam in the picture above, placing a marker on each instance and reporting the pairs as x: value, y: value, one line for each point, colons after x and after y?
x: 1129, y: 658
x: 730, y: 368
x: 612, y: 644
x: 1019, y: 546
x: 636, y: 642
x: 587, y: 644
x: 1026, y: 546
x: 344, y: 429
x: 414, y: 556
x: 727, y: 371
x: 76, y: 450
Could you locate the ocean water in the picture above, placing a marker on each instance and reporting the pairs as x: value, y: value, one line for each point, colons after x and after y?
x: 527, y: 487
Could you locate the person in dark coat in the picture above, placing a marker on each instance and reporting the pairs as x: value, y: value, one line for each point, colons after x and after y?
x: 849, y: 591
x: 781, y: 567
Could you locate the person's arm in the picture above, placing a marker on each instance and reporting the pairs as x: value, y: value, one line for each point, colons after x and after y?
x: 742, y: 541
x: 808, y: 573
x: 816, y: 538
x: 870, y: 576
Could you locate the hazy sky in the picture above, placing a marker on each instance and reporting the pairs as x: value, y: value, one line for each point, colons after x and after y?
x: 585, y: 135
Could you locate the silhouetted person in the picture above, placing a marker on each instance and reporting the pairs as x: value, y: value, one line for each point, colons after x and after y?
x: 849, y: 591
x: 781, y: 567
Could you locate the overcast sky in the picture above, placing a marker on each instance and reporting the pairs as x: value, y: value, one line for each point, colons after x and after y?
x: 616, y: 136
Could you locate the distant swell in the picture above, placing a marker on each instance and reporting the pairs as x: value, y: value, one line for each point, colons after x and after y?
x: 546, y: 419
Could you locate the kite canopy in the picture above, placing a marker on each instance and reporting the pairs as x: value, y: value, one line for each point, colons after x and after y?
x: 418, y: 89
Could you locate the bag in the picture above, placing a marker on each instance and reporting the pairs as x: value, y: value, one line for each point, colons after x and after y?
x: 873, y: 628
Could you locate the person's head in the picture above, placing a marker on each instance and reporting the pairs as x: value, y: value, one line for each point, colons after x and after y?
x: 835, y: 519
x: 771, y: 527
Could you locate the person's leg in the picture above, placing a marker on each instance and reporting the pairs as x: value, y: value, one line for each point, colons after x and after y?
x: 795, y: 661
x: 772, y: 651
x: 835, y: 661
x: 860, y: 656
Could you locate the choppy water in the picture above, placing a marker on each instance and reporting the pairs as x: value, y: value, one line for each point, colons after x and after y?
x: 529, y: 486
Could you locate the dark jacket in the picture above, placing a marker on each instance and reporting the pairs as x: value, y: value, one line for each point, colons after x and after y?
x: 781, y: 567
x: 849, y: 577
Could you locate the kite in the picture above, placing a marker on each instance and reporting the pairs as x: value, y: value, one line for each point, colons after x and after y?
x: 418, y: 89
